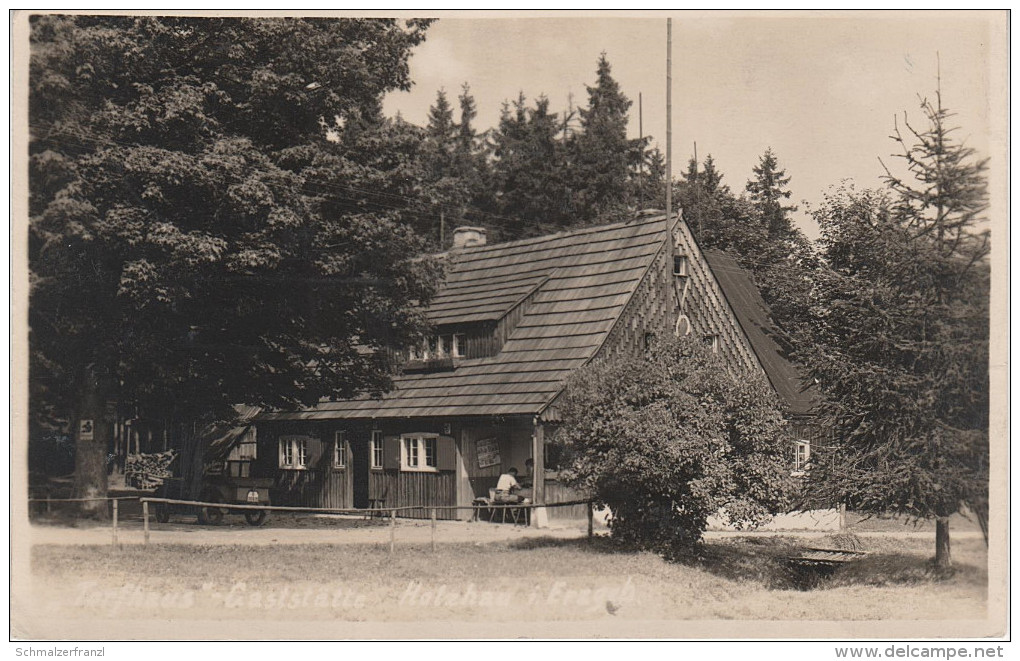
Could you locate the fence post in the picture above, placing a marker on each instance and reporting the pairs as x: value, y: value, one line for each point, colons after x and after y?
x: 433, y: 529
x: 115, y: 522
x: 393, y: 529
x: 145, y: 519
x: 48, y: 510
x: 591, y: 519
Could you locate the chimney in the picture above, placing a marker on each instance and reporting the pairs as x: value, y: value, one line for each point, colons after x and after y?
x: 465, y: 237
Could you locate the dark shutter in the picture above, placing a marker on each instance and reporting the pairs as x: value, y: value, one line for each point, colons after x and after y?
x: 446, y: 453
x: 391, y: 452
x: 314, y: 451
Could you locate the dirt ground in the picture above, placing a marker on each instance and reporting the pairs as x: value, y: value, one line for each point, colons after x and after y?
x: 329, y: 577
x: 285, y: 528
x: 296, y: 529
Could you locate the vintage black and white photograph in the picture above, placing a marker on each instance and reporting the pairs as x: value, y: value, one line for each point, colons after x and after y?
x: 534, y: 325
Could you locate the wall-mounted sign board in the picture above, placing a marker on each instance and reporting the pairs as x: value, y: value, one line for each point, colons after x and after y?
x: 487, y: 450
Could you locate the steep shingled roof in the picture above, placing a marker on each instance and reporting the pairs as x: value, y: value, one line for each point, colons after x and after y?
x: 579, y: 283
x: 753, y: 315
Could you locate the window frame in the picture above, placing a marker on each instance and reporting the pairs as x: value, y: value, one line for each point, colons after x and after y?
x: 457, y: 347
x: 417, y: 445
x: 340, y: 448
x: 680, y: 266
x: 801, y: 466
x: 375, y: 446
x: 294, y: 448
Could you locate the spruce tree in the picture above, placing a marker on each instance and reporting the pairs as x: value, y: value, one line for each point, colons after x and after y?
x: 528, y: 170
x: 768, y: 190
x: 900, y: 335
x: 603, y: 159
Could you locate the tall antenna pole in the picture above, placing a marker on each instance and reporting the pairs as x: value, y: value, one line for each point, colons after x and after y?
x: 641, y: 141
x: 669, y: 121
x: 697, y: 194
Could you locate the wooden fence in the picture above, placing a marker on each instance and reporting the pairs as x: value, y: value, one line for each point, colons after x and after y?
x: 114, y: 501
x: 390, y: 512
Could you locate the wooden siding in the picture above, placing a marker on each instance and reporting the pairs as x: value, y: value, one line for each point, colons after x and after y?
x: 326, y: 486
x: 557, y: 492
x: 707, y: 308
x: 414, y: 488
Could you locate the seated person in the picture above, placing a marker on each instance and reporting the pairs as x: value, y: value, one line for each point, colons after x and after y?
x: 507, y: 487
x: 529, y: 473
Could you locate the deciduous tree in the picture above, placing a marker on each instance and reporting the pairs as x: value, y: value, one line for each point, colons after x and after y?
x: 200, y: 230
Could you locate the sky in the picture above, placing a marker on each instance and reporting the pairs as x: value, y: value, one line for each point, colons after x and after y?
x: 821, y: 89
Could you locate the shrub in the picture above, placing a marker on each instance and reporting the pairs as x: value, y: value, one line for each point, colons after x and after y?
x: 670, y: 438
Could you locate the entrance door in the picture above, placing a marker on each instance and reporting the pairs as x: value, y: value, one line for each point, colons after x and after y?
x: 361, y: 449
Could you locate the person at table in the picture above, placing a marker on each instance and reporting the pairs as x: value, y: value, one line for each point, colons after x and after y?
x: 528, y: 479
x: 507, y: 488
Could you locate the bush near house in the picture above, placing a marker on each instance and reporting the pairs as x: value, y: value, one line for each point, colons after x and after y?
x: 668, y: 439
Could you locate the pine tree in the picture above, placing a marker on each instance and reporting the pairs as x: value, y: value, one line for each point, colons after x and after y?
x: 465, y: 130
x: 528, y: 170
x: 603, y: 159
x: 441, y: 127
x: 900, y: 336
x: 650, y: 180
x: 768, y: 190
x: 711, y: 179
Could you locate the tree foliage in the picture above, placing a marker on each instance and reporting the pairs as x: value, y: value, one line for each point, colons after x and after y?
x: 603, y: 159
x: 899, y: 330
x: 541, y: 173
x: 668, y: 439
x: 210, y: 216
x: 781, y: 262
x: 768, y: 190
x: 530, y: 171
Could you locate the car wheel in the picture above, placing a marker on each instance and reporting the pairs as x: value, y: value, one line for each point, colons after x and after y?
x: 255, y: 517
x: 210, y: 516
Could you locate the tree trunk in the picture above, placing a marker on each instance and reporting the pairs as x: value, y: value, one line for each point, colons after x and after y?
x: 943, y: 559
x: 92, y: 436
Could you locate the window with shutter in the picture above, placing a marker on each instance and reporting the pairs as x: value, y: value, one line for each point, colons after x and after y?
x: 419, y: 452
x: 314, y: 452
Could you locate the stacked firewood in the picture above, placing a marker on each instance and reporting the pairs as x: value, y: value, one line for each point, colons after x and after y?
x: 147, y: 471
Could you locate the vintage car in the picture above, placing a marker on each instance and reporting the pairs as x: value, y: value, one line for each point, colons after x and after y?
x: 226, y: 478
x: 216, y: 488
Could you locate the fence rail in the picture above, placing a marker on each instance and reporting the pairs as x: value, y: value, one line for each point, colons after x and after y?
x: 365, y: 511
x: 80, y: 500
x: 115, y: 500
x: 374, y: 511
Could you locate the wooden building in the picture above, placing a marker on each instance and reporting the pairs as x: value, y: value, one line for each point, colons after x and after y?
x: 512, y: 322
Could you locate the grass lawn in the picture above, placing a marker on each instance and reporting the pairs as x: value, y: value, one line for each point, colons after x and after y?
x: 537, y: 578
